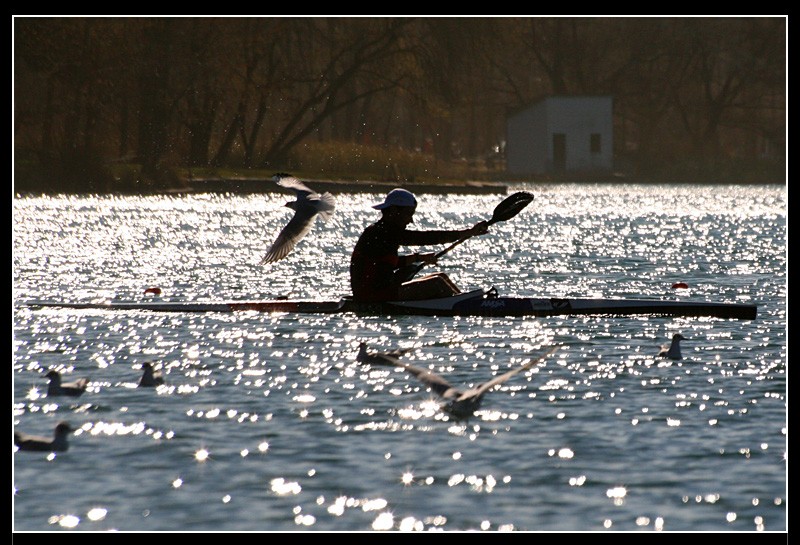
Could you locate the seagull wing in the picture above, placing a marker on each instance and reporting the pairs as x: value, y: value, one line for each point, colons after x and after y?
x: 436, y: 383
x: 290, y: 182
x: 291, y: 234
x: 486, y: 386
x: 666, y: 350
x: 324, y: 204
x: 79, y: 384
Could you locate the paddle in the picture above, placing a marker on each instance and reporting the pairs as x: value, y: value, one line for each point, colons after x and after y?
x: 507, y: 209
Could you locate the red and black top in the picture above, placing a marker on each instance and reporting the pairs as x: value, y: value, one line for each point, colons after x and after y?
x: 375, y: 258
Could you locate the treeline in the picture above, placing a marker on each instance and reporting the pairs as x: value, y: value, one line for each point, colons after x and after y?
x: 169, y: 93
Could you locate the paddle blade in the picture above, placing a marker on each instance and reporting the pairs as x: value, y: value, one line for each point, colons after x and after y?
x: 511, y: 206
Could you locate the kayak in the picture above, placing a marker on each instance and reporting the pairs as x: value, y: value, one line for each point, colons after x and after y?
x: 479, y: 302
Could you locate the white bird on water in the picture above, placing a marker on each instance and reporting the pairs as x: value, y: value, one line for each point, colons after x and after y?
x: 306, y: 208
x: 44, y: 444
x: 673, y: 351
x: 365, y: 356
x: 459, y: 403
x: 58, y: 388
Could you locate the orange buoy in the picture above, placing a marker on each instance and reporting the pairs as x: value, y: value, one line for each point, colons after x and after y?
x: 154, y: 291
x: 680, y: 285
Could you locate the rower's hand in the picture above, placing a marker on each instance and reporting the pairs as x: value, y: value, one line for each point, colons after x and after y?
x: 480, y: 228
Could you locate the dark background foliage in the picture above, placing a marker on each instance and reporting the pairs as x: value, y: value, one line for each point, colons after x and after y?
x: 139, y: 103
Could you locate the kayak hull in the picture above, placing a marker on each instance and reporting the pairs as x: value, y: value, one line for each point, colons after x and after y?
x: 474, y: 303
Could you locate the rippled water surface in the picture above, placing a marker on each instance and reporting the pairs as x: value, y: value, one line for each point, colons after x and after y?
x: 267, y: 422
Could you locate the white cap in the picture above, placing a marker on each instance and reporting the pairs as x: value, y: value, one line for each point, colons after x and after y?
x: 397, y: 197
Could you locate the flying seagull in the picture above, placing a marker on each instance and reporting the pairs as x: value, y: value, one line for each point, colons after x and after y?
x: 306, y: 208
x: 459, y: 403
x: 58, y: 388
x: 150, y: 377
x: 673, y: 351
x: 44, y: 444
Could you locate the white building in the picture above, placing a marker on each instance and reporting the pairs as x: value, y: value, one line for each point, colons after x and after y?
x: 561, y: 135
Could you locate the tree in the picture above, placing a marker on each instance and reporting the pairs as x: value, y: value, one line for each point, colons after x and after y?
x: 340, y: 54
x: 169, y: 92
x: 738, y: 64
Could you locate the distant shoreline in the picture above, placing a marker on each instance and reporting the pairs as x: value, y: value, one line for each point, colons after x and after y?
x: 263, y: 185
x: 251, y: 185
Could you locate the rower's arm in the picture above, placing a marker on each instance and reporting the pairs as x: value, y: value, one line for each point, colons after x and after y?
x: 423, y: 238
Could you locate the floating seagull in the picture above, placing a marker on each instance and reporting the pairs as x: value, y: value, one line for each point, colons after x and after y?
x: 306, y: 208
x: 460, y: 403
x: 150, y: 377
x: 44, y: 444
x: 58, y: 388
x: 673, y: 351
x: 378, y: 358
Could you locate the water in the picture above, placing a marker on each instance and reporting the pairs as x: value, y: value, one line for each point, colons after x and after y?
x: 267, y: 423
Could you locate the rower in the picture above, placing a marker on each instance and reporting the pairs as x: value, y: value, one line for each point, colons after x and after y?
x: 376, y: 267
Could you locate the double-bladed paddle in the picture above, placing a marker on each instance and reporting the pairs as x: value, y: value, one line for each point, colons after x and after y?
x: 507, y: 209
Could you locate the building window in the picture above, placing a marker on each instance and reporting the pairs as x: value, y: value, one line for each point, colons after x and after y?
x: 594, y: 143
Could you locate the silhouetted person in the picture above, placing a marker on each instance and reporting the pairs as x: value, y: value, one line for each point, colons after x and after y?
x: 375, y: 261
